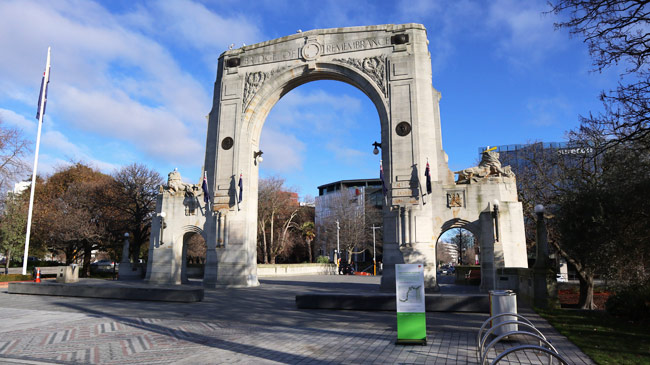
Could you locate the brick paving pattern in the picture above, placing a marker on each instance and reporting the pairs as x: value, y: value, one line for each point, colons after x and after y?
x: 246, y: 326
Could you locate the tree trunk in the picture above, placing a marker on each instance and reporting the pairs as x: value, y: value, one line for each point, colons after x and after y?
x: 271, y: 242
x: 586, y: 291
x: 586, y: 279
x: 264, y: 246
x: 88, y: 249
x: 309, y: 250
x: 273, y: 259
x: 135, y: 253
x: 8, y: 259
x: 69, y: 255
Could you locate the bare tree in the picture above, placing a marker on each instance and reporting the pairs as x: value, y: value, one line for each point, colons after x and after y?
x: 277, y: 210
x: 442, y: 253
x: 196, y: 249
x: 134, y: 193
x: 615, y: 32
x: 13, y: 148
x: 355, y: 216
x: 561, y: 179
x: 465, y: 244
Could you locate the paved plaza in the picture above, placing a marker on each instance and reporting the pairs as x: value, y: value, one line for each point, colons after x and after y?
x: 248, y: 326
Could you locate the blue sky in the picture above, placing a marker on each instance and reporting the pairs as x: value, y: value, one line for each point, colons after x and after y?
x: 132, y: 81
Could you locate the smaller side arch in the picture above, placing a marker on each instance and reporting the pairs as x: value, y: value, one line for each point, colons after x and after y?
x: 473, y: 227
x: 181, y: 249
x: 189, y: 229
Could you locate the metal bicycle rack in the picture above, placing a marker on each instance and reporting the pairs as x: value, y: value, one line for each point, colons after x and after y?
x: 551, y: 354
x: 544, y: 345
x: 489, y: 321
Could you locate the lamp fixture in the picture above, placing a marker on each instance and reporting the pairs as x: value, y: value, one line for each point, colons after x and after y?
x: 257, y: 156
x: 377, y: 146
x: 495, y: 215
x: 539, y: 209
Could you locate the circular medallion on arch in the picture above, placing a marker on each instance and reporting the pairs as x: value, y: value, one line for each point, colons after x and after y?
x: 226, y: 143
x: 403, y: 129
x: 311, y: 50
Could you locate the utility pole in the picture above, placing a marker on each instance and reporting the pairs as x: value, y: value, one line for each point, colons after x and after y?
x: 374, y: 250
x: 338, y: 248
x: 460, y: 246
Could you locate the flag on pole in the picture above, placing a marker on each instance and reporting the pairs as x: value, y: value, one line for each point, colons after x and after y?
x: 241, y: 189
x: 381, y: 176
x: 42, y: 98
x: 43, y: 95
x: 204, y: 186
x: 427, y: 174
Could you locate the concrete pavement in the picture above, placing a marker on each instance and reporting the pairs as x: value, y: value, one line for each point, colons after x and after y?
x: 249, y: 326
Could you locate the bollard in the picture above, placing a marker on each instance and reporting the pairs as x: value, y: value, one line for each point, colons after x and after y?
x: 38, y: 275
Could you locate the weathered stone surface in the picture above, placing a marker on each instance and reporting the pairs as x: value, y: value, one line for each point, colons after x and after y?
x: 391, y: 64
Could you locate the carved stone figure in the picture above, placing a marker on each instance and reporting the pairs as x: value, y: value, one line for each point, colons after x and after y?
x: 489, y: 166
x: 176, y: 185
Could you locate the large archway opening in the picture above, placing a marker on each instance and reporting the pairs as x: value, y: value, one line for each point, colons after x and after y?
x: 319, y: 133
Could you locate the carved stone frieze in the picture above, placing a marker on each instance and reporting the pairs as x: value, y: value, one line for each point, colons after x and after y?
x: 254, y: 81
x: 374, y: 67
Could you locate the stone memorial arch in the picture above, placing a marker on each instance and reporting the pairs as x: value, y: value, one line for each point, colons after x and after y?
x: 391, y: 64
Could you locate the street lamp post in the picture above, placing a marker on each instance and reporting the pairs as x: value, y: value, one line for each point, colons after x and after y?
x: 545, y: 283
x: 374, y: 250
x: 495, y: 216
x: 338, y: 248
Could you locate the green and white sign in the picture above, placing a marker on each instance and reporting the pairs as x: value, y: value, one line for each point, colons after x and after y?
x: 411, y: 311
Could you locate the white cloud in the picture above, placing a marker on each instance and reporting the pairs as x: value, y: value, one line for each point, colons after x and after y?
x: 346, y: 155
x: 112, y: 74
x: 193, y: 23
x: 282, y: 152
x: 315, y: 112
x: 16, y: 120
x: 526, y: 34
x: 56, y: 141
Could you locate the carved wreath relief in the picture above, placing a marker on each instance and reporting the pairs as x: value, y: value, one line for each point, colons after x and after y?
x: 375, y: 67
x: 254, y: 81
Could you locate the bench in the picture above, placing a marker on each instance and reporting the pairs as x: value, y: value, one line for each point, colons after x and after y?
x: 473, y: 277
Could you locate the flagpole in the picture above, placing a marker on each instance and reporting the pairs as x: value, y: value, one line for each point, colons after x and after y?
x: 41, y: 107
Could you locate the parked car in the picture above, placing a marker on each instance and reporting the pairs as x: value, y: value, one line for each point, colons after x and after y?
x: 102, y: 266
x: 448, y: 270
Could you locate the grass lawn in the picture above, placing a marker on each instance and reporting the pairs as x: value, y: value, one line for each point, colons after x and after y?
x: 606, y: 339
x: 15, y: 277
